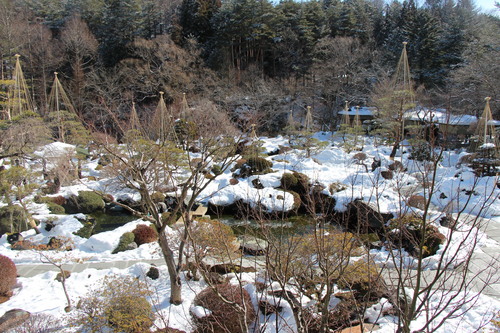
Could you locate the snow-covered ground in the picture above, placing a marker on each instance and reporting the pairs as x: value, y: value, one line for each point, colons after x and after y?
x: 42, y: 294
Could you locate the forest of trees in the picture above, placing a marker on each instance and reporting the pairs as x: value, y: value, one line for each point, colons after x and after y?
x: 270, y: 57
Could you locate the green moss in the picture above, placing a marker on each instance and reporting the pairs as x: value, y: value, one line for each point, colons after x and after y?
x: 86, y: 202
x: 288, y: 181
x: 125, y: 240
x: 13, y: 218
x: 258, y: 164
x: 55, y: 208
x: 216, y: 170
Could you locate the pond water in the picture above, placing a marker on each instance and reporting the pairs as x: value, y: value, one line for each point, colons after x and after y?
x: 101, y: 221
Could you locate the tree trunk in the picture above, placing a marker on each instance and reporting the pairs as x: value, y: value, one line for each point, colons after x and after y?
x: 173, y: 271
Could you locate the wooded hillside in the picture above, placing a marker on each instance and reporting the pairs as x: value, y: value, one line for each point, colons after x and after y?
x: 263, y: 56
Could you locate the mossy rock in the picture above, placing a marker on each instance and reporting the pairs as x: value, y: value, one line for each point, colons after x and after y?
x: 216, y: 170
x: 125, y: 240
x: 288, y: 181
x: 86, y: 202
x: 55, y: 208
x: 258, y: 164
x: 408, y: 232
x: 165, y: 218
x: 13, y: 218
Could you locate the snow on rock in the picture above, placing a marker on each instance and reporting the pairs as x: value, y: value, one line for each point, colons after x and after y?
x: 108, y: 241
x: 200, y: 311
x: 56, y: 150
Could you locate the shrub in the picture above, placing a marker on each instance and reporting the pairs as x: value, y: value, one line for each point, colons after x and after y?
x: 125, y: 240
x: 157, y: 197
x: 259, y: 164
x: 361, y: 276
x: 86, y: 202
x: 145, y: 234
x: 8, y: 275
x: 225, y: 317
x: 129, y: 313
x: 55, y: 208
x: 39, y: 323
x: 153, y: 273
x: 214, y: 238
x: 13, y: 218
x: 118, y: 304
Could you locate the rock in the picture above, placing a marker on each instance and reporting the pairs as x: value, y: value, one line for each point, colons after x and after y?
x: 252, y: 246
x: 23, y: 245
x: 359, y: 157
x: 131, y: 246
x: 233, y: 181
x: 267, y: 308
x: 257, y: 184
x: 397, y: 166
x: 377, y: 163
x: 13, y: 318
x: 387, y: 174
x: 230, y: 268
x: 417, y: 201
x: 14, y: 238
x: 59, y: 276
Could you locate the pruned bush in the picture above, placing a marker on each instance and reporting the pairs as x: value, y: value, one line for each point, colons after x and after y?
x: 86, y: 202
x: 13, y: 218
x: 145, y: 234
x: 230, y: 307
x: 125, y: 240
x: 8, y: 275
x: 118, y: 304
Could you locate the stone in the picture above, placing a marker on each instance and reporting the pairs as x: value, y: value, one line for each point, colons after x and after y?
x: 231, y: 268
x: 59, y: 276
x: 387, y: 174
x: 417, y: 201
x: 14, y: 238
x: 13, y: 318
x: 131, y: 246
x: 252, y: 246
x: 266, y: 308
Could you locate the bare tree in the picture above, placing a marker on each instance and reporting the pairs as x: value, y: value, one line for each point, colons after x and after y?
x: 160, y: 165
